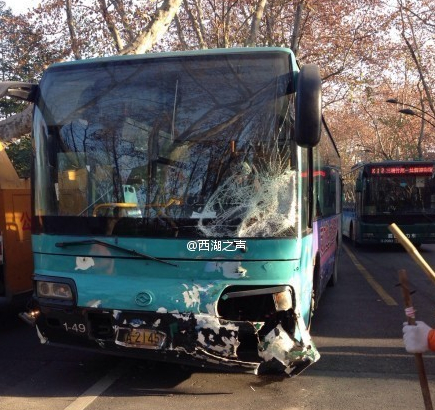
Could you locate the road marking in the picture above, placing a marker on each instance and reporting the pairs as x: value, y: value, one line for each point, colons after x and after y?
x: 370, y: 279
x: 97, y: 389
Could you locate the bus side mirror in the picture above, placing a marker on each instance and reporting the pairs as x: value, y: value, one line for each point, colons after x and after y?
x: 308, y: 108
x: 358, y: 185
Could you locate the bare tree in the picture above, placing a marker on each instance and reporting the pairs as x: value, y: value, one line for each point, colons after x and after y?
x: 409, y: 36
x: 348, y: 39
x: 20, y: 124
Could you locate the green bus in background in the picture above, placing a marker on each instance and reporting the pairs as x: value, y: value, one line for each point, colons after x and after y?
x: 377, y: 194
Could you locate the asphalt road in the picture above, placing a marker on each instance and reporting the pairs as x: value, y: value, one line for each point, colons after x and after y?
x: 357, y: 329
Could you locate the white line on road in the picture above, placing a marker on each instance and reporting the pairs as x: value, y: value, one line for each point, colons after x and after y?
x: 371, y: 280
x: 97, y: 389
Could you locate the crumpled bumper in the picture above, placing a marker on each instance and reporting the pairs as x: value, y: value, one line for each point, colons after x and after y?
x: 279, y: 345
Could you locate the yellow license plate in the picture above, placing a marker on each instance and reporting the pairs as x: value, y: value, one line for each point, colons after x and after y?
x: 142, y: 338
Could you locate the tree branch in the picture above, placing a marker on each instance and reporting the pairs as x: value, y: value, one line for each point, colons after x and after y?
x: 107, y: 18
x: 195, y: 25
x: 72, y: 32
x: 255, y: 25
x: 155, y: 29
x: 17, y: 125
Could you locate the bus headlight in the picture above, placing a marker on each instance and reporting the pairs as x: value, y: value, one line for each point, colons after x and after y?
x: 54, y: 290
x: 283, y: 300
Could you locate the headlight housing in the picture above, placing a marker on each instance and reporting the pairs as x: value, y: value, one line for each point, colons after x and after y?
x: 54, y: 290
x: 283, y: 300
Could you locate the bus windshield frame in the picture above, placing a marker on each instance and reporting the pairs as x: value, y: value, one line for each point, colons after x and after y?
x: 172, y: 147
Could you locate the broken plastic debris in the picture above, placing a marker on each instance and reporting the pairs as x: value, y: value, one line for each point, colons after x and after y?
x: 276, y: 345
x: 42, y: 338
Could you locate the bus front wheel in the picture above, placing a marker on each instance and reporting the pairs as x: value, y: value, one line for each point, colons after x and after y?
x: 334, y: 277
x: 352, y: 236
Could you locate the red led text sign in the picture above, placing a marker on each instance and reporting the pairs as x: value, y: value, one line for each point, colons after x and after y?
x: 402, y: 170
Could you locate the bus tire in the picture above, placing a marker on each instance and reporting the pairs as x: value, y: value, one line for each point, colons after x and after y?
x: 311, y: 313
x: 334, y: 277
x: 352, y: 235
x: 315, y: 296
x: 316, y: 283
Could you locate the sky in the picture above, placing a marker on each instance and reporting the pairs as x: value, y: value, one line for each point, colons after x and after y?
x: 21, y: 6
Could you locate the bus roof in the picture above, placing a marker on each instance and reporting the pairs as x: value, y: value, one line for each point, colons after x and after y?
x: 191, y: 53
x: 392, y: 162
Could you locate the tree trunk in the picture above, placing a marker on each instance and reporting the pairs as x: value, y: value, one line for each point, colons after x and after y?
x: 17, y: 125
x: 255, y: 25
x: 180, y: 32
x: 195, y: 25
x: 297, y: 28
x: 71, y: 27
x: 155, y: 29
x: 119, y: 7
x: 119, y: 44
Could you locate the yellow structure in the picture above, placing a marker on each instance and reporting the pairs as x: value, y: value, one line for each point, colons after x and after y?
x: 16, y: 259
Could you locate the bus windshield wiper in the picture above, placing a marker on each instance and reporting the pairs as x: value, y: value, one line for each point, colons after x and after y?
x: 110, y: 245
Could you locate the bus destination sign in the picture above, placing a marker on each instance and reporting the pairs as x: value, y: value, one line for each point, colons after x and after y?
x: 402, y: 170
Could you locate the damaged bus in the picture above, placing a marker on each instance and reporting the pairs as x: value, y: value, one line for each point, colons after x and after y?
x: 186, y: 207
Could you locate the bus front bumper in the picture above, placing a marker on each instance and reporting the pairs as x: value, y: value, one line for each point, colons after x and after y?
x: 193, y: 339
x: 381, y: 234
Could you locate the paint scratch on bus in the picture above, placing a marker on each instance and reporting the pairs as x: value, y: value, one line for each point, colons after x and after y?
x: 233, y: 270
x: 84, y: 263
x: 192, y: 297
x: 212, y: 336
x: 94, y: 303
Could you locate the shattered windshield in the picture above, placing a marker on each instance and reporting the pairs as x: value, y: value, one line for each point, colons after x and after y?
x: 196, y: 145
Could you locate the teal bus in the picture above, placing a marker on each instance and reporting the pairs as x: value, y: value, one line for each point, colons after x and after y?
x: 175, y: 207
x: 377, y: 194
